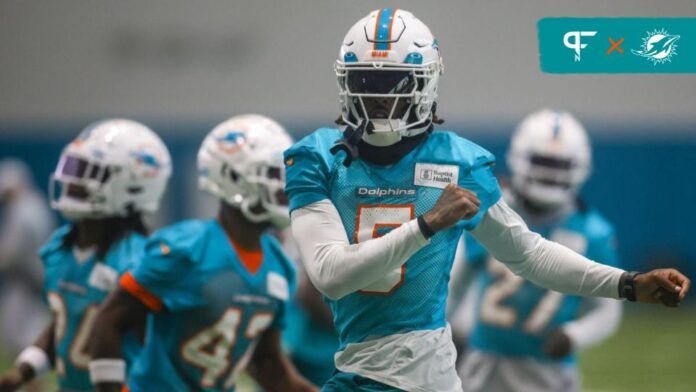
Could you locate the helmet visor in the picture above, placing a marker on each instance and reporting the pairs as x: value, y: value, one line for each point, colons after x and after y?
x: 551, y: 162
x: 75, y: 167
x: 550, y: 171
x: 380, y: 82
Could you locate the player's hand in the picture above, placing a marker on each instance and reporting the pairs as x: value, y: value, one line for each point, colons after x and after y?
x: 11, y: 381
x: 667, y: 285
x: 558, y: 345
x: 454, y: 204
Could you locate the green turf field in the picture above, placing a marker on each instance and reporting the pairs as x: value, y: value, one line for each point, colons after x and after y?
x: 655, y: 350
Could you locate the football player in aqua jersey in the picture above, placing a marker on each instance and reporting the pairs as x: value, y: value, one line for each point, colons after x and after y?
x: 216, y: 290
x: 106, y: 179
x: 378, y: 207
x: 524, y: 337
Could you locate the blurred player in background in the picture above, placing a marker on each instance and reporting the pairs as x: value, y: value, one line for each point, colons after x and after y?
x: 217, y: 290
x: 310, y: 337
x: 525, y: 337
x: 379, y: 206
x: 106, y: 179
x: 25, y: 224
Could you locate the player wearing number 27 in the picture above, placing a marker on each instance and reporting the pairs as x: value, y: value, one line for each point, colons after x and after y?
x: 94, y: 187
x: 216, y: 290
x: 377, y: 209
x: 524, y: 337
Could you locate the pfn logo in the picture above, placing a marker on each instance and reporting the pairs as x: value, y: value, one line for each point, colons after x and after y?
x: 576, y: 42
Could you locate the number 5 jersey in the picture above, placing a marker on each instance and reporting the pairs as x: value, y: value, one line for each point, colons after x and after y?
x: 372, y: 200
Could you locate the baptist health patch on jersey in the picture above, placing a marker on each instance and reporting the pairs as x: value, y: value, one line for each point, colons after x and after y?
x: 103, y: 277
x: 435, y: 176
x: 278, y: 286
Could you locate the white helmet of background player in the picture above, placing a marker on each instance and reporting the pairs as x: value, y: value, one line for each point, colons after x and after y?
x: 392, y: 56
x: 241, y: 162
x: 550, y: 158
x: 114, y: 167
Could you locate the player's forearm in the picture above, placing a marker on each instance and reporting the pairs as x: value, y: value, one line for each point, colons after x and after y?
x: 38, y: 358
x: 596, y: 325
x: 311, y: 300
x: 120, y: 313
x: 506, y: 237
x: 558, y: 268
x: 276, y: 375
x: 337, y: 268
x: 106, y: 336
x: 273, y: 370
x: 46, y: 341
x: 105, y: 347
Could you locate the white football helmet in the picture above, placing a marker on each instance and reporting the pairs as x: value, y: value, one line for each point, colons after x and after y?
x: 241, y: 162
x: 550, y: 158
x: 389, y: 56
x: 114, y: 167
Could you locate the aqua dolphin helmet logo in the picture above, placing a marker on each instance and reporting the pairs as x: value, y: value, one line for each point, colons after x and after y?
x: 147, y: 162
x: 231, y: 141
x: 658, y: 46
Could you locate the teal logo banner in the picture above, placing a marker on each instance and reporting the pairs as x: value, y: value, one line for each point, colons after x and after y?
x: 617, y: 45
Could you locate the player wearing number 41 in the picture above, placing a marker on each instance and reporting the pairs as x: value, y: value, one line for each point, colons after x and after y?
x: 377, y: 209
x: 106, y: 179
x: 523, y: 336
x: 217, y: 290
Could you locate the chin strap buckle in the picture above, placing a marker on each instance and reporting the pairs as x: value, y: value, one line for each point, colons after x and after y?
x: 349, y: 143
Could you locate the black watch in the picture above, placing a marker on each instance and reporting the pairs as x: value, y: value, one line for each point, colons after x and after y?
x: 425, y: 228
x: 627, y: 286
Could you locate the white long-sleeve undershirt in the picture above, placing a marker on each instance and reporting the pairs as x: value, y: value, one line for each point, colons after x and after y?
x: 337, y: 268
x: 545, y: 263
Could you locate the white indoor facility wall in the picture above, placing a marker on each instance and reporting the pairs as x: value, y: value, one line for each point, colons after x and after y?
x: 185, y: 60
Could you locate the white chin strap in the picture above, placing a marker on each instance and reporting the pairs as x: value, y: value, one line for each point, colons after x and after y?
x: 387, y: 125
x: 383, y: 134
x: 382, y: 139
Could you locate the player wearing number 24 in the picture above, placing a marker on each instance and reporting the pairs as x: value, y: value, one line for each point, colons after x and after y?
x: 216, y: 290
x: 378, y: 207
x: 83, y: 259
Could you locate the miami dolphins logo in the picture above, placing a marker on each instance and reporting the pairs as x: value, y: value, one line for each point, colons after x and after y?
x: 658, y: 46
x: 231, y: 142
x: 147, y: 162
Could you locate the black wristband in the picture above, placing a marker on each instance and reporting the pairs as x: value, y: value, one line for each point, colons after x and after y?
x: 425, y: 228
x: 627, y: 286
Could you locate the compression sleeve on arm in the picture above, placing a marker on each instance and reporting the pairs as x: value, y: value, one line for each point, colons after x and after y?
x: 337, y: 268
x: 548, y: 264
x: 596, y: 325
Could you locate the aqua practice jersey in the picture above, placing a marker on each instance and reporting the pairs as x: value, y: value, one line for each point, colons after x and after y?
x: 74, y: 290
x: 210, y: 305
x: 514, y: 316
x: 372, y: 200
